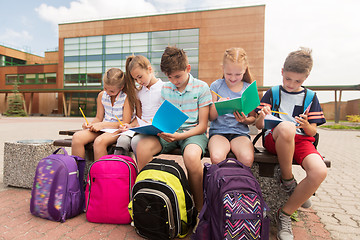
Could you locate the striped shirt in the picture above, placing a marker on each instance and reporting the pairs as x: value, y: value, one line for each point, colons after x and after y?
x: 195, y: 96
x: 292, y: 104
x: 112, y: 110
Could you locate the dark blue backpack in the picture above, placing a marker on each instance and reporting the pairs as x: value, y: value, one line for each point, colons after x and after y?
x: 233, y: 204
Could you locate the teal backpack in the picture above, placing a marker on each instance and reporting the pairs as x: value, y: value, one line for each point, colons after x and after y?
x: 276, y: 98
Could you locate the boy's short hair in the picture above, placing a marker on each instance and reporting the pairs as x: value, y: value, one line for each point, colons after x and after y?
x: 173, y: 59
x: 299, y: 61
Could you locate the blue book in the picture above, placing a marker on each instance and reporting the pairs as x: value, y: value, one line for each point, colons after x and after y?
x: 168, y: 119
x: 271, y: 121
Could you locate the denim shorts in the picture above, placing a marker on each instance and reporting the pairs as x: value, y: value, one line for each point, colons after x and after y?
x: 231, y: 136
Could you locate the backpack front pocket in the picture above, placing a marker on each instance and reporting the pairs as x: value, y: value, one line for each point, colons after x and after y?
x: 242, y: 215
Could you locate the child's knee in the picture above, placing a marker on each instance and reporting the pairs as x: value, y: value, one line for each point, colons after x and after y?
x: 217, y: 157
x: 247, y: 160
x: 98, y: 142
x: 285, y: 130
x: 77, y: 139
x: 322, y: 173
x: 318, y: 174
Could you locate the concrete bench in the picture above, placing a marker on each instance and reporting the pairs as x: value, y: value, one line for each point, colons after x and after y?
x: 264, y: 159
x: 265, y: 169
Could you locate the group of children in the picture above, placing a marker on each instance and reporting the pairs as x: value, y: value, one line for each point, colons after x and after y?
x: 292, y: 139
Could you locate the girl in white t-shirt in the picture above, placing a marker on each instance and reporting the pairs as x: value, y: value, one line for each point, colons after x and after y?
x: 139, y: 69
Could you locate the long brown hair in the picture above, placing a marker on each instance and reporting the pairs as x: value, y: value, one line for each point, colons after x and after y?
x: 131, y: 63
x: 238, y: 55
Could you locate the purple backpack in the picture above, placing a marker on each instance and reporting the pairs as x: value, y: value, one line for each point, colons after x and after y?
x: 233, y: 204
x: 58, y: 189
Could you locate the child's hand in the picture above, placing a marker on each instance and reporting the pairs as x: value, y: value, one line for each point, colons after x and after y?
x: 86, y: 126
x: 264, y: 111
x: 96, y: 127
x: 302, y: 120
x: 168, y: 136
x: 124, y: 127
x: 240, y: 117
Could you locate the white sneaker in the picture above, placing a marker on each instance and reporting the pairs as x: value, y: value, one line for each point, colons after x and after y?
x: 284, y: 226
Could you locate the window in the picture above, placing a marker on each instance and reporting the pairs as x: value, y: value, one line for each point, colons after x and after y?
x: 11, y: 79
x: 87, y: 58
x: 31, y: 78
x: 9, y: 61
x: 50, y: 78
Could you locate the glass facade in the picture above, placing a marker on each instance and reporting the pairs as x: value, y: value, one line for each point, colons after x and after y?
x: 9, y: 61
x: 87, y: 58
x: 32, y: 78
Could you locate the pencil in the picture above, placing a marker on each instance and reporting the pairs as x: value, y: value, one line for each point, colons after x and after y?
x: 279, y: 112
x: 83, y: 115
x: 217, y: 94
x: 119, y: 120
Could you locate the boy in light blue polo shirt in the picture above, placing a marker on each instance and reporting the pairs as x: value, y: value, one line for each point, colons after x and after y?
x: 193, y: 97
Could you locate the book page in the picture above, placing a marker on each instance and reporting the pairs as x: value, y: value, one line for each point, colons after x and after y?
x: 248, y: 101
x: 271, y: 121
x: 168, y: 119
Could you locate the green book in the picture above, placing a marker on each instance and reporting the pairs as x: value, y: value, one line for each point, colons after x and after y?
x: 248, y: 101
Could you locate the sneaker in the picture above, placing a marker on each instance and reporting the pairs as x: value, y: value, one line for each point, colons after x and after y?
x: 121, y: 151
x: 288, y: 186
x: 284, y: 226
x: 306, y: 204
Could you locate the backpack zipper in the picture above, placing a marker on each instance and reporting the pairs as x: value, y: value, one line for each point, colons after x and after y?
x: 160, y: 164
x: 63, y: 216
x: 168, y: 204
x: 222, y: 178
x: 177, y: 210
x: 127, y: 163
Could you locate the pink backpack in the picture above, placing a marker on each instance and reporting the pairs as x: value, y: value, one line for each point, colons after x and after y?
x: 108, y: 189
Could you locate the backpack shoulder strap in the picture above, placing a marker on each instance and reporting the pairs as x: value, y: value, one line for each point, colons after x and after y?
x: 309, y: 97
x: 275, y: 96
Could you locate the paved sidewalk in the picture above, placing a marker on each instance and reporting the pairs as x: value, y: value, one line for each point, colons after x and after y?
x: 335, y: 213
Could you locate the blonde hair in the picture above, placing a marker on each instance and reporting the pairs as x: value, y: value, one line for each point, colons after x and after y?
x: 238, y: 55
x: 299, y: 61
x: 116, y: 77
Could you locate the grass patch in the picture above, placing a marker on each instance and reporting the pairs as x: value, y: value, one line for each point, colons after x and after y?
x: 340, y: 126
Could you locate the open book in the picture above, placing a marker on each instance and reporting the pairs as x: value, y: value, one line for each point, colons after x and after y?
x: 112, y: 130
x: 271, y: 121
x: 168, y: 119
x: 248, y: 101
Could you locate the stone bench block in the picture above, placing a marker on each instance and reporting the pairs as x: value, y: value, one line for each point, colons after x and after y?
x: 274, y: 196
x: 21, y: 159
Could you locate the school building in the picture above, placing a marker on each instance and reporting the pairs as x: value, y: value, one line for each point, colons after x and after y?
x: 71, y: 77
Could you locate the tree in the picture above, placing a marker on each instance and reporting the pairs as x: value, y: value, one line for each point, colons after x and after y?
x: 15, y: 104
